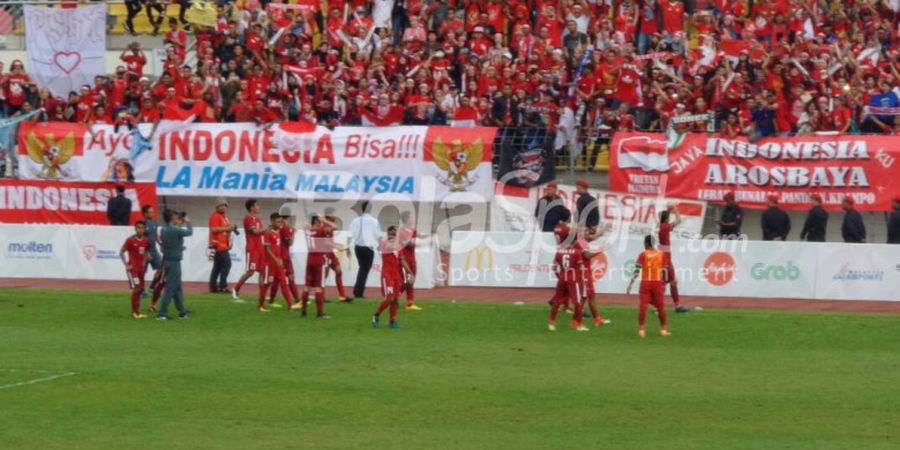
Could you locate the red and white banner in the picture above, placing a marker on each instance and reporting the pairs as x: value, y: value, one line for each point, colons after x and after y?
x: 288, y: 160
x: 31, y: 201
x: 512, y: 209
x: 703, y: 167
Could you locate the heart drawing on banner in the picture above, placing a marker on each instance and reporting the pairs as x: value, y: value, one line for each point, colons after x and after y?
x: 67, y: 61
x: 89, y: 251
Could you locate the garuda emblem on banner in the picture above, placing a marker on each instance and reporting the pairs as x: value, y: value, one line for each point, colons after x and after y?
x: 50, y: 153
x: 458, y: 161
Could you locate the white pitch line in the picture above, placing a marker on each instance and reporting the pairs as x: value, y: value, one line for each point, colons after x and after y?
x: 37, y: 380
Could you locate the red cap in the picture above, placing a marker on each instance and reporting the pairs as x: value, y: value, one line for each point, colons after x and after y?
x: 773, y: 198
x: 816, y: 197
x: 583, y: 184
x: 848, y: 200
x: 729, y: 195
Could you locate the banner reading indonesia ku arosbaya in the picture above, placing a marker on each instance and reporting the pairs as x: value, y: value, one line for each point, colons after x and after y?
x: 702, y: 167
x: 288, y: 160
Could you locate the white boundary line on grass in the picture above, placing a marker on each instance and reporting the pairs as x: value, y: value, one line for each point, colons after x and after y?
x: 37, y: 380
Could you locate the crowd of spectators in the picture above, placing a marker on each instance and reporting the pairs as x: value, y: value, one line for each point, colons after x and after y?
x: 759, y: 68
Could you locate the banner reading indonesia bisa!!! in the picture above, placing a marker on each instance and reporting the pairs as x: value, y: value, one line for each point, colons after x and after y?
x: 287, y: 160
x: 863, y: 168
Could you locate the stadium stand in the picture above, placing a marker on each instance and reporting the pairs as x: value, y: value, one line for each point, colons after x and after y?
x: 579, y: 68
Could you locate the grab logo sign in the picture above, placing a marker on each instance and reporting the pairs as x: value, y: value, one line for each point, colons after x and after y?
x: 598, y: 266
x: 719, y: 268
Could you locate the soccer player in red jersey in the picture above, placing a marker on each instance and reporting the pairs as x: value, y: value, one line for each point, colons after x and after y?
x: 273, y: 273
x: 564, y: 235
x: 407, y: 239
x: 393, y: 266
x: 665, y: 245
x: 570, y: 273
x: 583, y: 244
x: 137, y: 247
x: 315, y: 266
x: 651, y: 266
x: 331, y: 258
x: 254, y: 256
x: 287, y: 240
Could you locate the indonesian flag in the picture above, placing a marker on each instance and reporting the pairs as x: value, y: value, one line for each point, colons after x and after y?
x: 733, y: 49
x: 173, y: 112
x: 705, y: 57
x: 301, y: 72
x: 643, y: 152
x: 465, y: 117
x: 869, y: 56
x: 382, y: 116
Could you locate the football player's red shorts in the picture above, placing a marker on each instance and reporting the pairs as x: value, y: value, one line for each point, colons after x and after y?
x: 574, y: 290
x: 332, y: 261
x: 669, y: 269
x: 314, y: 275
x: 390, y: 286
x: 255, y: 262
x: 271, y: 272
x: 136, y: 278
x: 652, y: 293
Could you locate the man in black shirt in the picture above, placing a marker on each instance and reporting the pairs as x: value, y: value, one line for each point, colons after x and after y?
x: 775, y: 222
x: 732, y: 217
x: 816, y: 221
x: 852, y: 230
x: 586, y: 205
x: 894, y: 223
x: 550, y: 208
x: 118, y: 209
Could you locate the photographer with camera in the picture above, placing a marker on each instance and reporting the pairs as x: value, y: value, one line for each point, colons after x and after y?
x: 171, y: 238
x: 220, y: 229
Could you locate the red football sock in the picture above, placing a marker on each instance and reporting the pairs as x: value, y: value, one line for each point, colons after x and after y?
x: 642, y: 315
x: 339, y: 280
x: 673, y: 288
x: 288, y: 295
x: 240, y: 284
x: 135, y: 301
x: 294, y: 293
x: 262, y: 295
x: 410, y: 295
x: 383, y: 306
x: 305, y: 298
x: 662, y: 316
x: 273, y: 291
x: 554, y: 310
x: 320, y: 303
x: 594, y: 313
x: 579, y: 312
x: 157, y: 292
x: 394, y: 310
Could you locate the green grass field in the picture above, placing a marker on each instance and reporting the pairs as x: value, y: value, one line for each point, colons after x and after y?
x: 458, y: 375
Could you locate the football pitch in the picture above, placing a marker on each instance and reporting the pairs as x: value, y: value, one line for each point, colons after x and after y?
x: 77, y: 372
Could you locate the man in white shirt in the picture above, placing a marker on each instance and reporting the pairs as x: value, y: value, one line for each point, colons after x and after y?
x: 366, y: 234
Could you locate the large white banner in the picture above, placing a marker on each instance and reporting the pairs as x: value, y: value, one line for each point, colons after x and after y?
x: 92, y: 253
x: 66, y: 47
x: 513, y: 208
x: 287, y: 160
x: 706, y: 267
